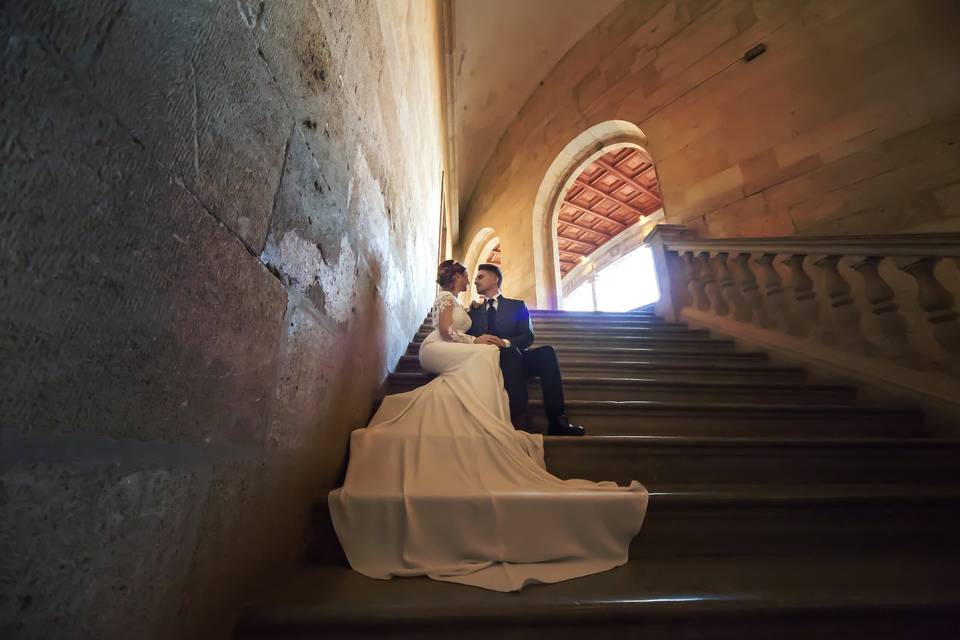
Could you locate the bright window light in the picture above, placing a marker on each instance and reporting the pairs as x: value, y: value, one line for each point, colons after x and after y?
x: 581, y: 299
x: 625, y: 284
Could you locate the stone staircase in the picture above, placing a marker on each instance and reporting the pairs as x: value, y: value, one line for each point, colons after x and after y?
x: 780, y: 508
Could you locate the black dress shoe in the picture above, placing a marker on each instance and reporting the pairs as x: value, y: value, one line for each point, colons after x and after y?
x: 561, y: 426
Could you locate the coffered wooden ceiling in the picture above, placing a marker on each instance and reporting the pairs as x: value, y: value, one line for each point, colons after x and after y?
x: 610, y: 194
x: 494, y: 256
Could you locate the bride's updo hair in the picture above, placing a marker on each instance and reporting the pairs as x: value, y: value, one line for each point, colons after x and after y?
x: 448, y: 270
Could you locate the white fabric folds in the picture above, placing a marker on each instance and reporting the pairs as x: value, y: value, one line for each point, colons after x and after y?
x: 440, y: 484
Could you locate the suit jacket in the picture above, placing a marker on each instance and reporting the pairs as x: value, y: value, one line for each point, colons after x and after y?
x: 513, y: 322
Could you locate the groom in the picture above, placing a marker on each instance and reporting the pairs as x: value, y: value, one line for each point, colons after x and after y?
x: 506, y: 323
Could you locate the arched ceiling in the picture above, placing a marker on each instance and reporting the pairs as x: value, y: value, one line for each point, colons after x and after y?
x: 501, y: 50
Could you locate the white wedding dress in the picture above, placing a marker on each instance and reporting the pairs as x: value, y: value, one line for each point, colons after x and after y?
x: 440, y: 484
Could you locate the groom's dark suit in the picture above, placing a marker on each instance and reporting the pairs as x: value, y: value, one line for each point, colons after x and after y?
x: 511, y: 321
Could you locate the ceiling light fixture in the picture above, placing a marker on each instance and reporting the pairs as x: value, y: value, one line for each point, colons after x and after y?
x: 755, y: 52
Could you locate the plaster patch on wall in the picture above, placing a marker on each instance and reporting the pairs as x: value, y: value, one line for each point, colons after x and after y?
x: 296, y: 258
x: 338, y: 283
x: 251, y: 11
x: 302, y: 266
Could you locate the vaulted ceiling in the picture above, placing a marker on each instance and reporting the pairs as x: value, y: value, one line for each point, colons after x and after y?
x: 501, y: 50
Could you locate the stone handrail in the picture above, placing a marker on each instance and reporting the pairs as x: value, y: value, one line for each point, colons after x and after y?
x: 946, y: 245
x: 883, y: 296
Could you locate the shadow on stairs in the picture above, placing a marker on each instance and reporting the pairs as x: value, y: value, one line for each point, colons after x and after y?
x: 779, y: 508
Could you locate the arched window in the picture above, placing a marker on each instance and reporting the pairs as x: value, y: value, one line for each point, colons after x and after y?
x: 624, y: 284
x: 601, y: 191
x: 609, y: 196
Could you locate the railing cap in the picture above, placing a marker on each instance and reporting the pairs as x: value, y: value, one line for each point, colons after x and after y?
x: 943, y: 245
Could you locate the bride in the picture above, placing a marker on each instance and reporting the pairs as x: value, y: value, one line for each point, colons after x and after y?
x: 440, y: 484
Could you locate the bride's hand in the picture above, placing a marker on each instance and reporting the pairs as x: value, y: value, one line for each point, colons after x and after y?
x: 492, y: 340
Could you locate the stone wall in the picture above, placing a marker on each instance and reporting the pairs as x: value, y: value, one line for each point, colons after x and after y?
x: 849, y: 123
x: 218, y: 229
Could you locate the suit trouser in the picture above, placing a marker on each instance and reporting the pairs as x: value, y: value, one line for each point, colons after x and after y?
x: 539, y: 362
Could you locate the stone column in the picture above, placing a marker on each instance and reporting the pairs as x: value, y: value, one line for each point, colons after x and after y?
x: 933, y: 297
x: 750, y: 290
x: 708, y: 277
x: 729, y: 289
x: 774, y: 300
x: 842, y: 311
x: 892, y: 324
x: 806, y: 315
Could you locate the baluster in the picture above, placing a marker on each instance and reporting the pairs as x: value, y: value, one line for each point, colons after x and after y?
x: 693, y: 282
x: 680, y: 293
x: 749, y: 291
x: 773, y: 290
x: 805, y: 315
x: 729, y: 289
x: 845, y: 316
x: 891, y: 322
x: 936, y: 301
x: 718, y: 305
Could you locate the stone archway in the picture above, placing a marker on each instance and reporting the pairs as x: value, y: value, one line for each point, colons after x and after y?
x: 585, y: 148
x: 491, y: 246
x: 480, y: 247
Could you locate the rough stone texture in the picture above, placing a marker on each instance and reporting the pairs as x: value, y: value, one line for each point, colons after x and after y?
x: 67, y: 525
x: 218, y: 230
x: 845, y: 125
x: 123, y: 281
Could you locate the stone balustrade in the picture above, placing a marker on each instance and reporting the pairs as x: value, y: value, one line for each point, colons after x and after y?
x: 890, y: 296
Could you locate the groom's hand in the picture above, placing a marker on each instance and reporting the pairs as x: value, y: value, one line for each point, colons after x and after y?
x: 491, y: 339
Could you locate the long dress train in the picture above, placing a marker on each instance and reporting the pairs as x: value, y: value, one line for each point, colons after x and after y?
x: 440, y: 484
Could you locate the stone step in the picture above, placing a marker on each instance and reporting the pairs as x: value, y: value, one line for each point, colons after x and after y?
x: 593, y: 360
x: 608, y: 324
x: 740, y: 419
x: 713, y: 520
x: 593, y: 315
x: 619, y: 328
x: 819, y: 519
x: 634, y: 388
x: 864, y: 595
x: 591, y: 319
x: 702, y: 370
x: 600, y: 339
x: 603, y: 319
x: 605, y: 349
x: 672, y: 460
x: 690, y: 367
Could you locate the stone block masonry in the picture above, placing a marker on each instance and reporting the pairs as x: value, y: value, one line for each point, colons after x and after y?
x: 847, y: 124
x: 217, y: 231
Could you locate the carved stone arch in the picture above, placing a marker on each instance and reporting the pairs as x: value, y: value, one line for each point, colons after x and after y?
x: 485, y: 250
x: 480, y: 247
x: 585, y: 148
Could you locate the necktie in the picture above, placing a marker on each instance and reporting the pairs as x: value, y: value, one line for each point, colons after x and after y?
x: 491, y: 318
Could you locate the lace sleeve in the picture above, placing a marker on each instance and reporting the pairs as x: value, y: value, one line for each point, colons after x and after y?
x: 443, y: 319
